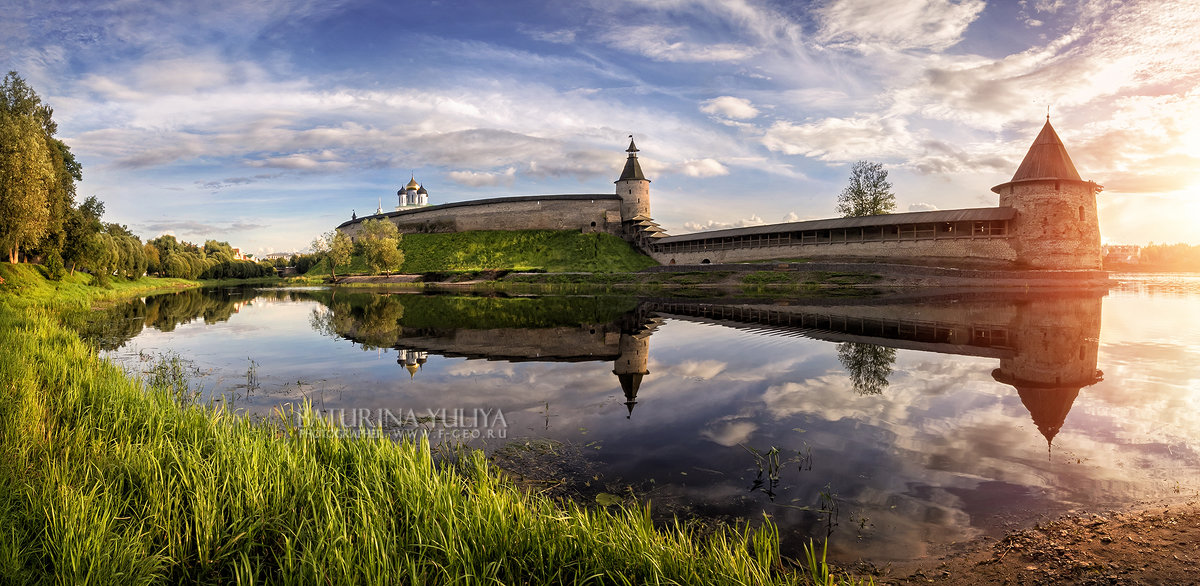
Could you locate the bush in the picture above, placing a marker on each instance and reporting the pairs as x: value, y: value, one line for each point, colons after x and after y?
x: 54, y: 266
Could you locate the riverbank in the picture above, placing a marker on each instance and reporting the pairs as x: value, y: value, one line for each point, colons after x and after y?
x: 106, y: 479
x: 1157, y: 545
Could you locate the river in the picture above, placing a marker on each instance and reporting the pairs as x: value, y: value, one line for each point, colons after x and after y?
x: 894, y: 426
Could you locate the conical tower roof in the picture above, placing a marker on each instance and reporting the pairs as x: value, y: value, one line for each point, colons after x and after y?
x: 1047, y: 159
x: 632, y: 169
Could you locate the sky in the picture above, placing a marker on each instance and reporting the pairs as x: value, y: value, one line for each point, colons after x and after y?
x: 267, y: 123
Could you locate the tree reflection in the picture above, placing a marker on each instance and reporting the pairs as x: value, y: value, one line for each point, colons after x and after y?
x: 373, y: 321
x: 869, y: 366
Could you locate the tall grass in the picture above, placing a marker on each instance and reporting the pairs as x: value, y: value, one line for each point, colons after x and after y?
x: 106, y: 479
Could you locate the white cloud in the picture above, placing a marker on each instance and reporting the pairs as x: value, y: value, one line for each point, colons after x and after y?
x: 730, y: 107
x: 482, y: 179
x: 663, y: 43
x: 703, y: 168
x: 921, y: 207
x: 561, y: 36
x: 842, y: 139
x: 753, y: 220
x: 871, y: 25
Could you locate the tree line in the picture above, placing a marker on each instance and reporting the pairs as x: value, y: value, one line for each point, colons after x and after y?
x: 40, y: 220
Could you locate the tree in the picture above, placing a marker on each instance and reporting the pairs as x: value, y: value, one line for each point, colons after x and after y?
x: 18, y: 100
x: 340, y: 249
x: 82, y: 222
x: 379, y: 241
x: 868, y: 194
x: 334, y: 247
x: 26, y: 174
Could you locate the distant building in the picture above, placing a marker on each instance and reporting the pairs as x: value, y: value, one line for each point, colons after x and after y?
x: 1128, y: 254
x: 412, y: 195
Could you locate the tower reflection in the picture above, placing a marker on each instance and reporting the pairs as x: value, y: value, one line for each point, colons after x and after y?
x: 1046, y: 345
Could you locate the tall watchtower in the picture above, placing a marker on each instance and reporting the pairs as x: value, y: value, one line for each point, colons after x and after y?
x: 1056, y: 225
x: 633, y: 188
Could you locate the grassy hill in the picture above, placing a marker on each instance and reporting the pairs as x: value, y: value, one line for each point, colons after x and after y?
x: 519, y: 250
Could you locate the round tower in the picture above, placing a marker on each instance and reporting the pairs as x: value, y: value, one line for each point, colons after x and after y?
x: 633, y: 188
x: 1056, y: 225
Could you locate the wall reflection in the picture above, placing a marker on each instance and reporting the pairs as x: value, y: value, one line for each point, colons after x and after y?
x: 1046, y: 345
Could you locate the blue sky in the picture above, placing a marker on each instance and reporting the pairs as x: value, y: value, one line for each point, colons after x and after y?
x: 266, y: 123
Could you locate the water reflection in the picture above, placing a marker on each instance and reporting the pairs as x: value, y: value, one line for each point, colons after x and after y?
x: 893, y: 423
x: 1047, y: 347
x: 869, y: 365
x: 111, y: 328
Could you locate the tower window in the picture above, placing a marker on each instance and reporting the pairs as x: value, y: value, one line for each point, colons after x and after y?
x: 1080, y: 213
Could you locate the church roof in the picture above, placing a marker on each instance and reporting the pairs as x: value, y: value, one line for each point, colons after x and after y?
x: 412, y: 184
x: 421, y: 189
x: 1047, y: 159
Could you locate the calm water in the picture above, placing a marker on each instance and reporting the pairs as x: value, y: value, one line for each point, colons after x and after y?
x: 896, y: 425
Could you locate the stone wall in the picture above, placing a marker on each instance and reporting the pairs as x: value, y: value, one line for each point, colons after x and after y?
x: 996, y: 250
x: 586, y: 213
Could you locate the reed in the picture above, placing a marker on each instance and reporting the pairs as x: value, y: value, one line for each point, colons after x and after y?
x: 108, y: 479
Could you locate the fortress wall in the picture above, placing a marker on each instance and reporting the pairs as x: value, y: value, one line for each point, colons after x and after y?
x: 585, y: 213
x: 947, y: 250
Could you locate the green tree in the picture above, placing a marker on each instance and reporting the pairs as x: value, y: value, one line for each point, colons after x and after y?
x: 868, y: 194
x: 212, y: 247
x: 153, y: 258
x: 26, y: 174
x: 379, y: 241
x: 341, y: 248
x: 82, y: 222
x: 19, y: 100
x: 335, y: 248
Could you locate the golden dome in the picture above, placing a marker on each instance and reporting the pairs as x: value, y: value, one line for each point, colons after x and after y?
x: 412, y: 184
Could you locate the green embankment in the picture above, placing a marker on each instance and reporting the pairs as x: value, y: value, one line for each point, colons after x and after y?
x: 109, y: 480
x: 518, y: 250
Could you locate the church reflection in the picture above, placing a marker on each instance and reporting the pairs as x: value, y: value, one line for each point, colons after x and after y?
x: 1046, y: 344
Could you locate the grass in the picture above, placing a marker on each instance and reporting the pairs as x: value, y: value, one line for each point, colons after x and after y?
x: 107, y: 479
x: 514, y: 250
x: 28, y: 283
